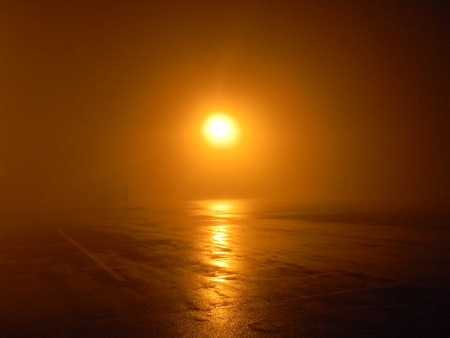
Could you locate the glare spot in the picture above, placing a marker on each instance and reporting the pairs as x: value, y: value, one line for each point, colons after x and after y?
x: 220, y: 130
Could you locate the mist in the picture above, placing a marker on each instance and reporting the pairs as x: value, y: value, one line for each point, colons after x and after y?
x: 102, y: 103
x: 224, y: 168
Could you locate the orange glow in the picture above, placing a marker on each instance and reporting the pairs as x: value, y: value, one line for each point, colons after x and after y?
x: 220, y: 130
x: 220, y: 211
x: 220, y: 215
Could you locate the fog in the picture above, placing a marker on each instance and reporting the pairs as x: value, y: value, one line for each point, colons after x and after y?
x: 102, y: 103
x: 328, y: 214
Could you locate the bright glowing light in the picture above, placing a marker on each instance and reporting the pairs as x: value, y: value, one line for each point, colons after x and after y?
x: 220, y: 130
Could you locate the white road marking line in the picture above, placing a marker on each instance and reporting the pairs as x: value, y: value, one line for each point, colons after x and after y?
x: 95, y: 259
x: 32, y: 246
x: 56, y: 245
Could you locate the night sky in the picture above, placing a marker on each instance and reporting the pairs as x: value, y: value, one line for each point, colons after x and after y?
x: 338, y: 101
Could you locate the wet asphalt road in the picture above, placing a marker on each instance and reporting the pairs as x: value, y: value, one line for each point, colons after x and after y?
x: 224, y: 269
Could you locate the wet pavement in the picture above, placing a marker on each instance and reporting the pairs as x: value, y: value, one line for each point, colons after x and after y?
x: 224, y: 269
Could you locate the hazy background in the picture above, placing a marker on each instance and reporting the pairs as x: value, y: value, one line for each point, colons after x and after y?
x: 338, y: 101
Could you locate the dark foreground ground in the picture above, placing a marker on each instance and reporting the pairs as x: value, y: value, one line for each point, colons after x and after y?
x: 223, y: 269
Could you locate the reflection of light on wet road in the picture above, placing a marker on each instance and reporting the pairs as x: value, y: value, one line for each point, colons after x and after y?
x: 220, y: 217
x: 219, y: 279
x: 220, y: 211
x: 219, y: 266
x: 219, y: 251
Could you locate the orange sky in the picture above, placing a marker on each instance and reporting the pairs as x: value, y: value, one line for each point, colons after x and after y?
x: 337, y: 101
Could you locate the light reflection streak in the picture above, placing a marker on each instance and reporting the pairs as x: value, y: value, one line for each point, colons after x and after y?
x: 220, y: 265
x: 220, y: 215
x: 220, y: 212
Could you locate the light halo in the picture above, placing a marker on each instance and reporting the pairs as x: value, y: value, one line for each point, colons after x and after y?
x: 220, y: 130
